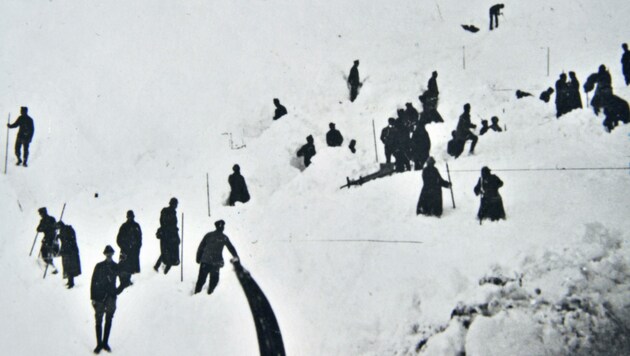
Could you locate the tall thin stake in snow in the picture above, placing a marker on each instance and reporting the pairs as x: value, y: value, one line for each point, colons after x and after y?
x: 375, y: 149
x: 448, y: 172
x: 181, y: 259
x: 6, y: 151
x: 464, y: 57
x: 548, y: 61
x: 208, y: 192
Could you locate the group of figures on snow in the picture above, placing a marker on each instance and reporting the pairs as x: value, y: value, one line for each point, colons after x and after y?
x: 110, y: 279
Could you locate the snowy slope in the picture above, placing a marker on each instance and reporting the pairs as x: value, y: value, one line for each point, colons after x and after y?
x: 131, y: 99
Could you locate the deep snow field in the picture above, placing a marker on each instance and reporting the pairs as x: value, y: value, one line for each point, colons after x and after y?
x: 132, y: 100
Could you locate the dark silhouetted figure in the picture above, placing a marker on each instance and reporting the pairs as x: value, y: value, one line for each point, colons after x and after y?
x: 625, y: 63
x: 103, y: 293
x: 412, y: 114
x: 420, y: 146
x: 352, y: 146
x: 168, y: 234
x: 333, y: 136
x: 280, y: 109
x: 210, y: 256
x: 455, y: 147
x: 495, y: 11
x: 432, y: 92
x: 353, y: 81
x: 616, y: 110
x: 463, y: 129
x: 129, y: 240
x: 50, y: 245
x: 238, y: 187
x: 69, y: 253
x: 562, y: 95
x: 546, y: 95
x: 484, y: 127
x: 491, y: 203
x: 24, y: 136
x: 307, y: 151
x: 430, y: 202
x: 604, y: 88
x: 495, y: 124
x: 389, y: 136
x: 402, y: 145
x: 522, y: 94
x: 574, y: 97
x: 471, y: 28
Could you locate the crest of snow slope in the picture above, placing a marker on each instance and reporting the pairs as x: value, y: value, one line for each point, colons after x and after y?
x: 140, y: 98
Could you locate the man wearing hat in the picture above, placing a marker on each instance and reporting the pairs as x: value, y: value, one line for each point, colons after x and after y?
x: 353, y: 81
x: 307, y: 150
x: 69, y: 252
x: 333, y: 136
x: 168, y: 233
x: 210, y: 256
x: 430, y: 202
x: 464, y: 125
x: 129, y: 241
x: 50, y: 246
x: 491, y: 203
x: 103, y: 293
x: 238, y: 187
x: 24, y: 136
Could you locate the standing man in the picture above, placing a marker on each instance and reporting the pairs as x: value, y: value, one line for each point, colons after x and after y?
x: 333, y: 136
x: 307, y: 150
x: 463, y: 129
x: 210, y: 256
x: 129, y: 241
x: 168, y: 234
x: 432, y: 92
x: 491, y: 203
x: 353, y: 81
x: 238, y: 187
x: 562, y: 96
x: 625, y: 63
x: 69, y: 252
x: 575, y: 100
x: 103, y: 293
x: 430, y: 202
x: 495, y: 11
x: 50, y: 246
x: 389, y: 137
x: 603, y: 91
x: 24, y: 136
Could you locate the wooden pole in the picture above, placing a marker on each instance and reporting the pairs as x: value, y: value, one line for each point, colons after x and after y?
x: 448, y: 172
x: 375, y: 148
x: 6, y: 152
x: 208, y: 191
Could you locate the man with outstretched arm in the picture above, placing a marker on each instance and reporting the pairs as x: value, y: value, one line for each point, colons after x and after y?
x: 210, y: 256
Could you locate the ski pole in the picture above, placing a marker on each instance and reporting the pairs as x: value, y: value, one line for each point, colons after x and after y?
x: 6, y: 151
x: 32, y: 247
x: 182, y: 254
x: 450, y: 185
x: 375, y: 149
x: 208, y: 192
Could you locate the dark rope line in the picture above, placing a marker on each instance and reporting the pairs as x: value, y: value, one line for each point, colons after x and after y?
x: 547, y: 169
x: 358, y: 240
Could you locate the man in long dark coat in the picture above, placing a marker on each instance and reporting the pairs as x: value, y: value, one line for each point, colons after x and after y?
x: 210, y: 256
x: 307, y: 150
x: 168, y: 233
x: 389, y: 135
x: 49, y: 247
x: 491, y: 203
x: 238, y: 187
x: 420, y: 146
x: 69, y: 253
x: 129, y: 240
x: 575, y: 99
x: 432, y: 93
x: 430, y: 202
x: 616, y: 110
x: 464, y: 125
x: 353, y: 81
x: 333, y: 136
x: 562, y: 95
x: 103, y: 293
x: 24, y: 136
x: 455, y: 146
x: 604, y: 88
x: 625, y: 63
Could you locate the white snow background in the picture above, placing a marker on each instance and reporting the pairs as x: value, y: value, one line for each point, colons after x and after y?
x: 131, y: 98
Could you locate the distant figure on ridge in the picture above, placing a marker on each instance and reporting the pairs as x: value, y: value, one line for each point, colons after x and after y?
x: 495, y: 124
x: 495, y: 11
x: 69, y: 253
x: 280, y: 109
x: 50, y: 245
x: 491, y: 206
x: 129, y: 239
x: 625, y: 63
x: 353, y: 81
x: 168, y: 234
x: 352, y: 146
x: 210, y: 256
x: 103, y: 293
x: 430, y: 202
x: 333, y: 136
x: 238, y: 187
x: 24, y: 136
x: 307, y: 150
x: 432, y: 92
x: 463, y: 129
x: 484, y: 127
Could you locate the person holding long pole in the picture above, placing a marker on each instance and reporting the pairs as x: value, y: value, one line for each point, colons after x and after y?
x: 24, y: 136
x: 47, y: 225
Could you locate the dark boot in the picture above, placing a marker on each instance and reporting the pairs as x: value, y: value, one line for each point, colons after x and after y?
x: 70, y: 282
x: 99, y: 339
x: 108, y: 328
x: 167, y: 268
x: 19, y: 162
x: 157, y: 264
